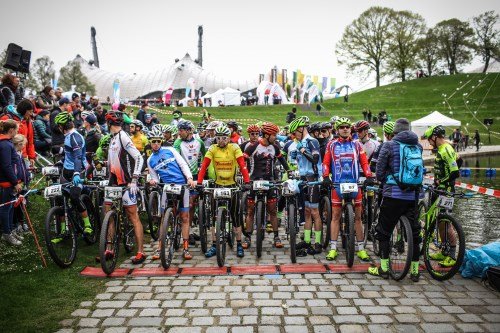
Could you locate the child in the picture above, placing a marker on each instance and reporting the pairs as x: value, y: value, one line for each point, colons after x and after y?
x: 23, y: 176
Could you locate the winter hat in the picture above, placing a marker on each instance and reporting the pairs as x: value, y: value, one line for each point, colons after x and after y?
x: 91, y: 119
x: 402, y: 124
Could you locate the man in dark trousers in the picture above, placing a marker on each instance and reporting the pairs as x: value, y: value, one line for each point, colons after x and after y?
x: 477, y: 139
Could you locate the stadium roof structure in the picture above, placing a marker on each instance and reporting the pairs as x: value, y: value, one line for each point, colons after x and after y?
x: 133, y: 86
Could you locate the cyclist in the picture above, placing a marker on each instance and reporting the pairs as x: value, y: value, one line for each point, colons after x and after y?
x: 344, y: 159
x: 192, y: 150
x: 324, y: 137
x: 73, y: 167
x: 396, y: 201
x: 167, y: 166
x: 446, y: 171
x: 210, y: 138
x: 168, y: 135
x: 125, y: 165
x: 101, y: 154
x: 388, y: 129
x: 264, y: 154
x: 253, y: 133
x: 309, y: 166
x: 362, y: 128
x: 234, y: 137
x: 225, y: 155
x: 138, y: 138
x: 333, y: 120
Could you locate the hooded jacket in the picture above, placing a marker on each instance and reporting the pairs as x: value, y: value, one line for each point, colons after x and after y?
x: 9, y: 158
x: 26, y: 129
x: 389, y: 161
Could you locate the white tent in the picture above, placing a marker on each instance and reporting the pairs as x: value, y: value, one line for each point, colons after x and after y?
x: 435, y: 118
x: 228, y: 96
x: 272, y: 88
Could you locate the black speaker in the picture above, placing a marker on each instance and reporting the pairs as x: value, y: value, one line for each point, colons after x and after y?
x: 14, y: 53
x: 24, y: 64
x: 488, y: 121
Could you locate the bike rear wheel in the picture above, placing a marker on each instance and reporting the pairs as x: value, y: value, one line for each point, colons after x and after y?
x: 168, y: 230
x: 60, y: 238
x: 154, y: 214
x: 348, y: 223
x: 401, y: 249
x: 325, y: 214
x: 259, y: 222
x: 441, y: 242
x: 202, y: 225
x: 128, y: 234
x: 292, y: 231
x: 220, y: 235
x: 109, y: 242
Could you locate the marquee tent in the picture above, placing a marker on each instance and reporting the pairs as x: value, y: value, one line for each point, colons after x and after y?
x: 435, y: 118
x: 228, y: 96
x: 270, y: 88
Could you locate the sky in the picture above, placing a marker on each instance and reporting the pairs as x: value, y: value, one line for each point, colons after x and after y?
x: 241, y: 38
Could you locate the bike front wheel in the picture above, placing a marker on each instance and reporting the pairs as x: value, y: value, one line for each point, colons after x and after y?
x: 154, y: 214
x: 220, y: 236
x: 349, y: 233
x: 292, y: 231
x: 60, y: 238
x: 203, y: 225
x: 259, y: 222
x: 168, y: 230
x: 109, y: 242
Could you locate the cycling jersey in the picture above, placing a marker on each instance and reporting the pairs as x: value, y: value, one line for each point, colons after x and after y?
x: 343, y: 159
x: 369, y: 147
x: 236, y: 138
x: 192, y: 151
x: 306, y: 167
x: 74, y: 152
x: 167, y: 166
x: 140, y: 141
x: 263, y: 158
x: 290, y: 149
x: 224, y: 163
x: 124, y: 160
x: 445, y: 166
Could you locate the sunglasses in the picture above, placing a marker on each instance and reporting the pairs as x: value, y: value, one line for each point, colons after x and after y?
x: 155, y: 141
x: 254, y: 133
x: 222, y: 138
x: 344, y: 127
x: 324, y: 131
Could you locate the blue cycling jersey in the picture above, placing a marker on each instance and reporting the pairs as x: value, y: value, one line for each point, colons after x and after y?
x: 168, y: 166
x: 306, y: 168
x: 74, y: 152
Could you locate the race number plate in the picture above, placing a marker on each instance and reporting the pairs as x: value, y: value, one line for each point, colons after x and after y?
x: 222, y: 193
x: 288, y: 188
x: 172, y: 189
x: 103, y: 183
x: 205, y: 183
x: 445, y: 202
x: 348, y: 187
x: 260, y: 185
x: 50, y: 171
x: 53, y: 191
x: 111, y: 192
x: 100, y: 173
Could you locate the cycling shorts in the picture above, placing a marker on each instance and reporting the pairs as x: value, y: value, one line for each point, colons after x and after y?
x: 272, y: 195
x: 337, y: 198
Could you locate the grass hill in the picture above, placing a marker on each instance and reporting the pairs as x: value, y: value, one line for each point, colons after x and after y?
x: 467, y: 97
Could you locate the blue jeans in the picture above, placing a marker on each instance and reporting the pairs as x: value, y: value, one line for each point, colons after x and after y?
x: 7, y: 211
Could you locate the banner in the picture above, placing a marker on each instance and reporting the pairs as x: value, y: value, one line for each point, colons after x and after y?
x: 274, y: 75
x: 168, y: 95
x: 324, y: 83
x: 315, y: 79
x: 285, y: 79
x: 300, y: 77
x: 261, y: 78
x: 294, y: 79
x: 332, y: 84
x: 116, y: 91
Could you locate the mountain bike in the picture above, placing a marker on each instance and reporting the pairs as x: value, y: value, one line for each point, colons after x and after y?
x: 64, y: 223
x: 171, y: 226
x: 115, y: 228
x: 291, y: 215
x: 204, y: 216
x: 325, y: 213
x: 444, y: 240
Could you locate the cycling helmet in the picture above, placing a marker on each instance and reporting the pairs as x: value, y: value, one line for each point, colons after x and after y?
x: 115, y: 117
x: 63, y: 117
x: 202, y: 127
x: 137, y: 123
x: 253, y: 128
x: 222, y: 131
x: 213, y: 125
x: 232, y: 124
x: 158, y: 127
x: 389, y: 127
x: 361, y: 125
x: 155, y: 133
x: 105, y: 140
x: 372, y: 132
x: 85, y: 114
x: 437, y: 130
x: 193, y: 128
x: 300, y: 122
x: 270, y: 128
x: 326, y: 125
x: 342, y: 121
x: 334, y: 119
x: 306, y: 119
x: 184, y: 125
x: 314, y: 127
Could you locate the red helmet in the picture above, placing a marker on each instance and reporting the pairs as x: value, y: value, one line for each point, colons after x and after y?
x: 253, y: 128
x: 361, y: 125
x: 270, y: 128
x: 114, y: 117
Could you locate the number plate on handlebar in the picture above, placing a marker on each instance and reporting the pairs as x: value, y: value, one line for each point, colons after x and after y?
x: 289, y: 188
x: 205, y: 183
x: 100, y: 173
x: 103, y: 183
x: 172, y: 189
x: 260, y: 185
x: 111, y: 192
x: 52, y: 191
x: 445, y: 202
x: 348, y: 188
x: 50, y: 171
x: 222, y: 193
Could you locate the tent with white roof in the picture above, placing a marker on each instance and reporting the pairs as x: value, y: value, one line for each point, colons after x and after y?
x: 435, y: 118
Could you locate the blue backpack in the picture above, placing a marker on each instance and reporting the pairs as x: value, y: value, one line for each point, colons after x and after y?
x: 411, y: 168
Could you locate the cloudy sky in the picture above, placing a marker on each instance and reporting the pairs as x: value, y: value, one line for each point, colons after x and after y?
x: 241, y: 38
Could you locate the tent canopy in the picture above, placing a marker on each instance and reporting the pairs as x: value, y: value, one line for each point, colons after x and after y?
x: 435, y: 118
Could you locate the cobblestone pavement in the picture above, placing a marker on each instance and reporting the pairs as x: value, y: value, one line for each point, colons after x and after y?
x: 289, y: 303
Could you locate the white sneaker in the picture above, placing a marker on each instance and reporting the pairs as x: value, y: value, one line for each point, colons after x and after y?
x: 9, y: 238
x: 17, y: 234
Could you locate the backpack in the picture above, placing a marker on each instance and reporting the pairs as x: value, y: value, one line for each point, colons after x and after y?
x: 411, y: 168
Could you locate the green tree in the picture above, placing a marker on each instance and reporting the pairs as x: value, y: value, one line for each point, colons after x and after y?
x: 487, y: 42
x: 3, y: 58
x: 71, y: 74
x: 428, y: 52
x: 406, y: 28
x: 43, y: 71
x: 455, y: 43
x: 365, y: 42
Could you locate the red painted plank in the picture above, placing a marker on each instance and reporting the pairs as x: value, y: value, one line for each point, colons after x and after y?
x: 302, y: 268
x: 97, y: 272
x: 156, y: 271
x: 253, y: 270
x: 203, y: 271
x: 342, y: 268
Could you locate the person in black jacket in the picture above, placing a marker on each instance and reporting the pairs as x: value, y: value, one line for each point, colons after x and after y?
x: 41, y: 125
x: 57, y: 135
x: 141, y: 114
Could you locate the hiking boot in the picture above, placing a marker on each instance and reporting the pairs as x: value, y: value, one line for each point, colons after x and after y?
x: 377, y: 271
x: 9, y: 238
x: 191, y: 241
x: 332, y: 254
x: 363, y: 255
x: 448, y: 262
x: 277, y: 243
x: 139, y: 258
x: 239, y: 251
x: 437, y: 256
x: 186, y: 255
x: 211, y: 252
x: 246, y: 243
x: 156, y: 255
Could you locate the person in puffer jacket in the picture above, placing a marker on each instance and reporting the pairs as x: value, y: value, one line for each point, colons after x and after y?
x: 395, y: 202
x: 42, y: 135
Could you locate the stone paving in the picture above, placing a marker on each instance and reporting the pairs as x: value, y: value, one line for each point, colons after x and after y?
x: 290, y: 303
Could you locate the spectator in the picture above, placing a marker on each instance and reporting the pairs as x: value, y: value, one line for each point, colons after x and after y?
x: 92, y: 134
x: 46, y: 99
x: 456, y: 137
x: 154, y: 119
x: 93, y: 103
x: 142, y: 113
x: 75, y: 103
x: 177, y: 118
x: 291, y: 115
x: 83, y: 100
x: 58, y: 94
x: 369, y: 115
x: 477, y: 139
x: 23, y: 177
x: 8, y: 90
x: 57, y: 135
x: 43, y: 139
x: 100, y: 114
x: 149, y: 121
x: 365, y: 114
x: 9, y: 185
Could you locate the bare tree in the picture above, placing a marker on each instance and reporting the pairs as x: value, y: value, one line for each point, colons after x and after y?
x: 406, y: 28
x: 454, y: 42
x: 487, y: 36
x: 428, y: 52
x: 365, y: 42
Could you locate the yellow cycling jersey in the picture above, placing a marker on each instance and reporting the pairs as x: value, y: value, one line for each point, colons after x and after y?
x: 140, y: 141
x: 224, y: 162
